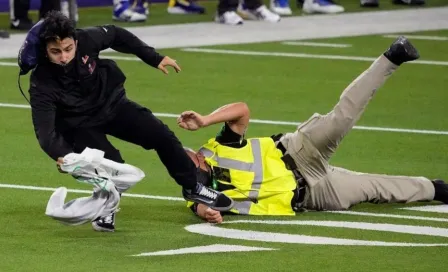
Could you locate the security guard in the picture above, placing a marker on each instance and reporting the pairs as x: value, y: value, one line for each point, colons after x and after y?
x: 281, y: 174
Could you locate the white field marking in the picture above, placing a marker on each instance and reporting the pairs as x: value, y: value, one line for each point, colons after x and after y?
x: 36, y: 188
x: 420, y: 37
x: 262, y: 236
x: 300, y: 55
x: 408, y: 229
x: 423, y: 218
x: 286, y: 123
x: 204, y: 249
x: 20, y: 106
x: 318, y: 44
x: 4, y: 63
x: 274, y: 54
x: 429, y: 208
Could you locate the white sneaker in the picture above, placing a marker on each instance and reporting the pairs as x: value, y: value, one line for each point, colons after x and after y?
x: 321, y: 6
x: 123, y: 12
x: 229, y: 18
x: 262, y: 13
x: 281, y: 7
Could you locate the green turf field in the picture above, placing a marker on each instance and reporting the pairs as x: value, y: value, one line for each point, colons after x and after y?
x: 275, y: 88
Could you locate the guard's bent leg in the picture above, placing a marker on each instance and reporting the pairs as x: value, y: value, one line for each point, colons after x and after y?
x: 326, y: 131
x: 315, y: 140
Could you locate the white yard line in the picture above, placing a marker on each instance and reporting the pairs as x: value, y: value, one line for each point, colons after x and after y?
x: 420, y: 37
x: 285, y: 123
x: 211, y: 249
x: 268, y: 54
x: 4, y: 63
x: 424, y: 218
x: 318, y: 44
x: 300, y: 55
x: 37, y: 188
x: 171, y: 198
x: 429, y: 208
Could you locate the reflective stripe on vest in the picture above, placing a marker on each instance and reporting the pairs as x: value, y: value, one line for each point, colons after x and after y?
x: 228, y: 163
x: 256, y: 167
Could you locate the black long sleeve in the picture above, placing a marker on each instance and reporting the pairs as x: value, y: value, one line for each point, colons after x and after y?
x: 43, y: 115
x: 121, y: 40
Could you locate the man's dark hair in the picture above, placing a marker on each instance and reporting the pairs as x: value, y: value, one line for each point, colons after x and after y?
x: 56, y: 26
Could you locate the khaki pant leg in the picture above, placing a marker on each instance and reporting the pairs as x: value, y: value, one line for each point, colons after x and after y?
x: 342, y: 189
x: 314, y: 141
x: 327, y: 131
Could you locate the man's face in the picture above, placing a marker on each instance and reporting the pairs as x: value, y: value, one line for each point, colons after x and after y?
x: 199, y: 161
x: 61, y: 51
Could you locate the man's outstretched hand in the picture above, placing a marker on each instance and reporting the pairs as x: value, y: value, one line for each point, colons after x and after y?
x: 167, y: 61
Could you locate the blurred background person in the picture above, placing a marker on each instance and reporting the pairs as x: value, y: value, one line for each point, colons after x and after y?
x: 139, y: 10
x: 184, y: 7
x: 65, y: 9
x: 4, y: 34
x: 248, y: 9
x: 19, y: 12
x: 281, y: 7
x: 130, y: 11
x: 319, y: 6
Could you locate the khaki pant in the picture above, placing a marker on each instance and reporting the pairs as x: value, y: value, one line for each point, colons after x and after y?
x: 316, y: 140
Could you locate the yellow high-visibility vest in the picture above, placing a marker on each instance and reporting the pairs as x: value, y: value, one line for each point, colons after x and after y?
x: 254, y: 176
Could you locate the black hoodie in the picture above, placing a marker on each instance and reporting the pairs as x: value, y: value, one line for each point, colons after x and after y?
x: 85, y: 92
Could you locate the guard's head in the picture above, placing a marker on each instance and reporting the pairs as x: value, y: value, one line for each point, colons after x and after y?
x: 57, y: 38
x: 204, y: 171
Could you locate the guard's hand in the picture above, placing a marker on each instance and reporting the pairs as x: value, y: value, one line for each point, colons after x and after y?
x: 59, y: 163
x: 167, y: 61
x: 191, y: 120
x: 213, y: 216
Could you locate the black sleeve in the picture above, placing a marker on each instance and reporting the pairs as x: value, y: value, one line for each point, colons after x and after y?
x: 194, y: 208
x: 226, y: 136
x: 121, y: 40
x: 43, y: 114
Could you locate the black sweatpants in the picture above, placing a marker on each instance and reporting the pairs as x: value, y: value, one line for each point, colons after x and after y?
x: 232, y: 5
x: 19, y: 8
x: 136, y: 124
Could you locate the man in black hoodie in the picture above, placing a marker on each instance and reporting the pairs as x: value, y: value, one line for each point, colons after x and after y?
x: 77, y: 99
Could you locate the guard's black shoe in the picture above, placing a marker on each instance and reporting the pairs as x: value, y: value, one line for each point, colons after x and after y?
x: 401, y: 51
x: 441, y: 190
